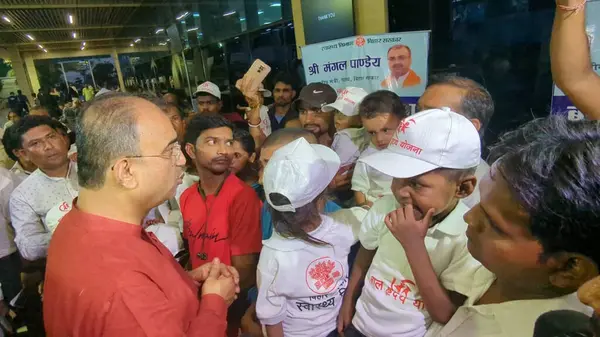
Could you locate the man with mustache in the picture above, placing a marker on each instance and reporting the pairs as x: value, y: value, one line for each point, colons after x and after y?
x: 282, y: 109
x: 221, y: 213
x: 401, y: 76
x: 312, y: 99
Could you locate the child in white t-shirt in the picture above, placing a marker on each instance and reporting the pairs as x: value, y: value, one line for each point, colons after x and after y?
x: 380, y: 113
x: 413, y: 256
x: 350, y: 138
x: 303, y: 267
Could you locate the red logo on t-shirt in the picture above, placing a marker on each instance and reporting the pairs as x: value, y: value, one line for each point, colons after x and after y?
x: 323, y: 274
x: 360, y: 41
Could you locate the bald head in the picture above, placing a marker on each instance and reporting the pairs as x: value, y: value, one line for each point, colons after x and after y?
x: 287, y: 135
x: 107, y: 129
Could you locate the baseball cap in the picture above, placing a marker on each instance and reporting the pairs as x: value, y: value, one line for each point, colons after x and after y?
x: 317, y: 95
x: 299, y: 171
x: 209, y: 88
x: 428, y: 140
x: 347, y: 101
x: 265, y: 92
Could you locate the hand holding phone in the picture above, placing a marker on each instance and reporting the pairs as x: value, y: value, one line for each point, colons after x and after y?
x: 252, y: 80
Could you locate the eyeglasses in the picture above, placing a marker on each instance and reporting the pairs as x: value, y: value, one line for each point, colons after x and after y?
x: 175, y: 154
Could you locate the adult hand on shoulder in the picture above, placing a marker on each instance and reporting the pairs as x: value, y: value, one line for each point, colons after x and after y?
x: 221, y: 285
x: 403, y: 224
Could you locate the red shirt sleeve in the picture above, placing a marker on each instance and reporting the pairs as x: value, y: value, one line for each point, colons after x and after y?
x: 245, y: 230
x: 140, y: 308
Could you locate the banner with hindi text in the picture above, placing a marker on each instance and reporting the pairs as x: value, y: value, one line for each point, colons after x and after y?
x: 395, y: 61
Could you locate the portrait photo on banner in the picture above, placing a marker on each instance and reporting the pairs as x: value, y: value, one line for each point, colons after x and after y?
x: 397, y: 62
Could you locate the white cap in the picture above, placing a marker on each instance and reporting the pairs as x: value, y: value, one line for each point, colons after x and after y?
x: 425, y: 141
x: 299, y: 171
x: 265, y: 92
x: 347, y: 101
x: 209, y: 88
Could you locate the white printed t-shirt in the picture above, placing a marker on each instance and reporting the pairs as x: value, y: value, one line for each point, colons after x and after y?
x: 390, y: 304
x: 7, y: 185
x: 302, y: 285
x: 508, y: 319
x: 348, y: 144
x: 369, y: 181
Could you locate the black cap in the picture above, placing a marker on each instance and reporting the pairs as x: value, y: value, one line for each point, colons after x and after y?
x: 317, y: 95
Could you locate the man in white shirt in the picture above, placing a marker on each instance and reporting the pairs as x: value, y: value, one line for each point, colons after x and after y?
x: 9, y: 257
x: 468, y: 98
x: 535, y: 230
x: 51, y: 185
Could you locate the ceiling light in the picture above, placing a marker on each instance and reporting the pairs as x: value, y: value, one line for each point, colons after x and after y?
x: 41, y: 47
x: 83, y: 43
x: 261, y: 12
x: 6, y: 19
x: 183, y: 15
x: 229, y: 13
x: 196, y: 15
x: 192, y: 29
x: 131, y: 45
x: 220, y: 45
x: 45, y: 51
x: 268, y: 29
x: 160, y: 30
x: 29, y: 37
x: 267, y: 23
x: 70, y: 19
x: 162, y: 44
x: 242, y: 19
x: 275, y: 4
x: 82, y: 47
x: 74, y: 35
x: 168, y: 40
x: 137, y: 40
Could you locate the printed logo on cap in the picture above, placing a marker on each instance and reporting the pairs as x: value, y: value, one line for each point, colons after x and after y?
x: 403, y: 144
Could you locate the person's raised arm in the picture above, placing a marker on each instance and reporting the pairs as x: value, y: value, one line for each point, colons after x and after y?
x: 570, y: 57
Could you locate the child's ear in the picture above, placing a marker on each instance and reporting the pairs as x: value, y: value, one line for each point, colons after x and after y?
x: 569, y: 271
x: 466, y: 186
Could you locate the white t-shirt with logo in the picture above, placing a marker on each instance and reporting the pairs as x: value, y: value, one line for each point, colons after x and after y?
x: 302, y: 285
x: 390, y: 304
x: 369, y: 181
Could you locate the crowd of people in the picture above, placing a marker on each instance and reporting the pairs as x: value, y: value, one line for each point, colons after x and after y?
x: 324, y: 214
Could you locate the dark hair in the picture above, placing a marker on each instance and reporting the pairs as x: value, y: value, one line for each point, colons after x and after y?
x: 551, y: 167
x: 11, y: 142
x: 400, y: 46
x: 380, y: 102
x: 19, y: 92
x: 245, y: 139
x: 288, y: 135
x: 291, y: 224
x: 477, y: 103
x: 285, y: 78
x: 200, y: 123
x: 29, y: 122
x: 106, y: 130
x: 160, y: 102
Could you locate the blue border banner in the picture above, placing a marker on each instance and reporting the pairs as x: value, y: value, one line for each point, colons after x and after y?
x: 395, y: 61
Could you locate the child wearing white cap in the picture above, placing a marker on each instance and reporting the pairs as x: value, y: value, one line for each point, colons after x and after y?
x: 350, y: 138
x: 380, y: 113
x: 303, y: 267
x: 413, y: 257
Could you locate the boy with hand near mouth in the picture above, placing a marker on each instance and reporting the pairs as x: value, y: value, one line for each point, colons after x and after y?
x: 380, y: 113
x: 413, y: 257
